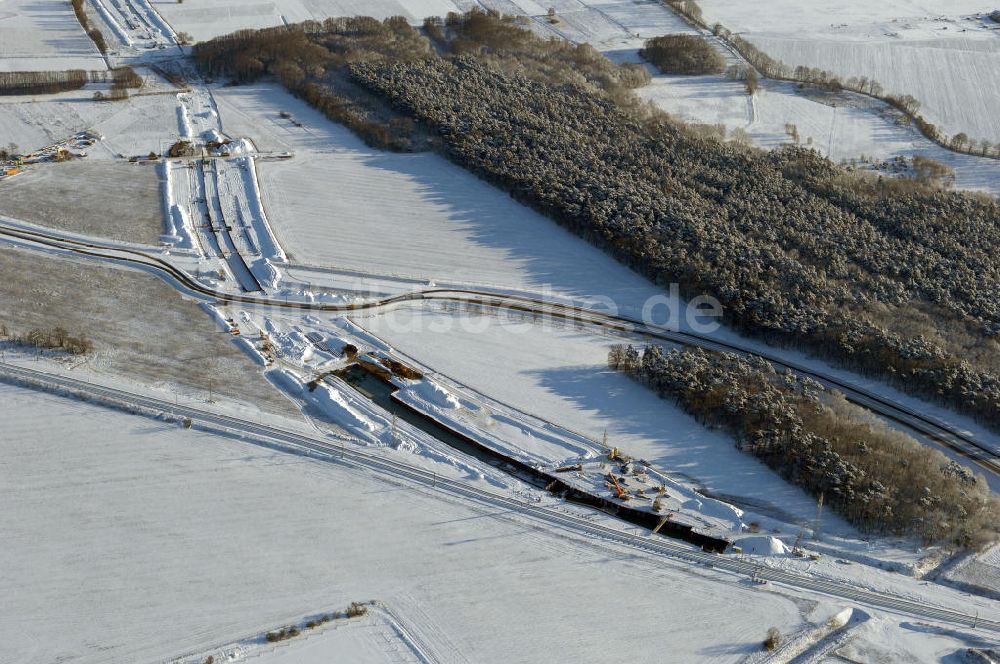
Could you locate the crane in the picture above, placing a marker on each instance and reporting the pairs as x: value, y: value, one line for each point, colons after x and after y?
x: 613, y: 484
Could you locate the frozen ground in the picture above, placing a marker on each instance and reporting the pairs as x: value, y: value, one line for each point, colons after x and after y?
x: 204, y: 20
x: 141, y: 327
x: 938, y: 52
x: 881, y: 640
x: 113, y: 200
x: 379, y: 636
x: 131, y: 540
x: 44, y: 35
x: 340, y: 203
x: 420, y: 217
x: 841, y: 127
x: 140, y: 125
x: 561, y: 374
x: 982, y: 571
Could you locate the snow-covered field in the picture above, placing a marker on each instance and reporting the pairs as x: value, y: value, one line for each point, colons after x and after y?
x: 378, y: 637
x: 951, y: 78
x: 940, y: 53
x: 204, y: 20
x: 561, y: 374
x: 44, y: 35
x: 603, y: 21
x: 142, y: 329
x: 880, y: 640
x: 841, y: 127
x: 607, y: 24
x: 981, y: 570
x: 340, y: 203
x: 922, y: 61
x: 75, y: 196
x: 137, y: 126
x: 132, y: 539
x: 128, y: 539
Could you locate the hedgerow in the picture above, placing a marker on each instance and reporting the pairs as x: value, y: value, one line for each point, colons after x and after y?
x: 879, y: 479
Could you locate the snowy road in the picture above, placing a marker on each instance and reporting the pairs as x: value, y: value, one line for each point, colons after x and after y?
x: 328, y: 449
x: 234, y: 219
x: 982, y: 455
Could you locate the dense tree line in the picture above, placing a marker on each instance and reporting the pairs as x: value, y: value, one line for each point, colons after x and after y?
x: 313, y: 50
x: 683, y: 54
x: 509, y: 47
x: 312, y: 60
x: 753, y: 229
x: 42, y: 82
x: 93, y: 32
x: 880, y: 480
x: 896, y: 283
x: 122, y: 79
x: 125, y: 77
x: 51, y: 82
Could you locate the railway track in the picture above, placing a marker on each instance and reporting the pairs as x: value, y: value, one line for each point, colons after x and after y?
x: 982, y: 455
x: 551, y: 517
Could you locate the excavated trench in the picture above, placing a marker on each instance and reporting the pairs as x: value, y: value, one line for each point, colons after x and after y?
x: 375, y: 385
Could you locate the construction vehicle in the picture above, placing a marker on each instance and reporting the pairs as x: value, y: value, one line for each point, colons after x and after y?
x: 797, y: 547
x: 613, y: 484
x: 663, y: 521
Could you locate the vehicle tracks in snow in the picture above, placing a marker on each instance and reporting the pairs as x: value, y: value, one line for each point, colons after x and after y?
x: 942, y: 434
x: 328, y: 449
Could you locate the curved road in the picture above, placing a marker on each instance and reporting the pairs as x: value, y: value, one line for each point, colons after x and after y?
x: 966, y: 445
x: 356, y: 457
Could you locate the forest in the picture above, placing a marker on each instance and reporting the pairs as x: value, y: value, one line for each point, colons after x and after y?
x: 313, y: 60
x: 879, y: 479
x: 683, y: 54
x: 895, y: 280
